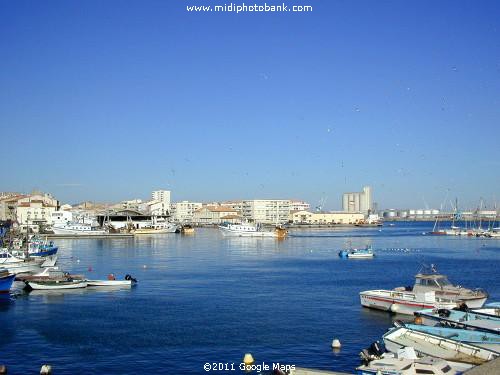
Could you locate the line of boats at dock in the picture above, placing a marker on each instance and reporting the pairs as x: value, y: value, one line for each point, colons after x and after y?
x: 453, y: 329
x: 35, y: 265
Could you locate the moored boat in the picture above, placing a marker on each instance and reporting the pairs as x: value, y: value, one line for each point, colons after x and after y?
x: 6, y: 280
x: 250, y: 230
x: 459, y: 319
x: 402, y: 302
x: 426, y: 344
x: 57, y: 284
x: 405, y: 366
x: 482, y: 339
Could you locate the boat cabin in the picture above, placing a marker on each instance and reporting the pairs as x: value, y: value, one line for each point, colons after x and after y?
x: 433, y: 281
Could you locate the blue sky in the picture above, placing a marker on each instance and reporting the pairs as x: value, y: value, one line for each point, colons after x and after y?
x: 108, y: 100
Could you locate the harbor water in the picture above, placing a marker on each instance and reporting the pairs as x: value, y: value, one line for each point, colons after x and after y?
x: 209, y: 299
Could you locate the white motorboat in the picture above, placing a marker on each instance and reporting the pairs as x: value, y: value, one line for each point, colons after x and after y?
x: 426, y: 344
x: 57, y: 284
x: 157, y: 228
x: 403, y: 302
x: 73, y: 228
x: 250, y: 230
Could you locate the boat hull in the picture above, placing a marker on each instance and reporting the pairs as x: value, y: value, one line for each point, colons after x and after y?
x: 234, y: 233
x: 397, y: 302
x: 61, y: 230
x: 6, y: 283
x: 57, y: 285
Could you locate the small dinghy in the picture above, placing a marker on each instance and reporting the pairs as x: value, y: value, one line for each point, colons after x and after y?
x: 111, y: 281
x: 57, y: 284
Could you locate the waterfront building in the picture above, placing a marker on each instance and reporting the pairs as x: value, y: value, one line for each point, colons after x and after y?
x: 215, y: 215
x: 299, y: 206
x: 323, y: 218
x: 266, y: 211
x: 35, y: 210
x: 8, y: 207
x: 160, y: 203
x: 358, y: 201
x: 182, y: 212
x: 235, y: 205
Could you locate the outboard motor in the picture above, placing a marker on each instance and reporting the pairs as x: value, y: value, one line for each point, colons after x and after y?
x: 462, y: 307
x: 377, y: 349
x: 444, y: 313
x: 128, y: 277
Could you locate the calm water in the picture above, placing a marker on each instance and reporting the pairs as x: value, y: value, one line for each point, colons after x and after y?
x: 207, y: 298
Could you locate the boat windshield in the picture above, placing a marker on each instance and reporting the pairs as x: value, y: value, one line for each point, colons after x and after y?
x: 444, y: 282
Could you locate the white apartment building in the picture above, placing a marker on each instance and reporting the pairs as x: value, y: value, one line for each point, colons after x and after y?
x: 358, y: 201
x: 34, y: 211
x: 266, y: 211
x: 160, y: 203
x: 182, y: 212
x: 299, y: 206
x: 8, y: 207
x: 215, y: 215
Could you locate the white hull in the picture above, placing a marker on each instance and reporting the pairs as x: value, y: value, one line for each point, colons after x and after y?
x: 360, y: 256
x: 62, y: 230
x: 426, y: 344
x: 58, y: 286
x: 235, y: 233
x: 399, y: 302
x: 153, y: 231
x: 109, y: 282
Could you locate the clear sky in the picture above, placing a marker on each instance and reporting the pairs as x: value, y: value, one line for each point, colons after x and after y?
x: 108, y: 100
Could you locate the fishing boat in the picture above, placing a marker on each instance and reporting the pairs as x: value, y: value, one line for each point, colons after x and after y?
x: 6, y: 280
x: 250, y: 230
x: 367, y: 252
x: 111, y: 281
x: 482, y: 339
x: 156, y: 228
x: 403, y: 302
x: 76, y: 229
x: 426, y: 344
x: 57, y: 284
x: 460, y: 319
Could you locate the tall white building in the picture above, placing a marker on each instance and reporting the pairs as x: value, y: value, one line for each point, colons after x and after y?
x: 160, y: 203
x: 266, y: 211
x: 299, y: 206
x: 358, y: 201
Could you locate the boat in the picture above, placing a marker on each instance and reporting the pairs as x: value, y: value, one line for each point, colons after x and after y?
x: 398, y: 364
x: 459, y: 319
x: 57, y: 284
x: 156, y: 228
x: 111, y: 281
x: 403, y: 302
x: 250, y: 230
x: 490, y: 309
x: 482, y: 339
x: 76, y: 229
x: 426, y: 344
x: 36, y: 247
x: 187, y: 229
x: 367, y: 252
x: 6, y: 280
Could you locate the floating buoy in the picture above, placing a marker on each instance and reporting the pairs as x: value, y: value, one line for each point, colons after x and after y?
x: 418, y: 320
x: 336, y: 344
x: 144, y: 266
x: 78, y: 261
x: 46, y: 370
x: 248, y: 359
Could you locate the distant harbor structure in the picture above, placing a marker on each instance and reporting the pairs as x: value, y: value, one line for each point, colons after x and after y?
x: 358, y: 201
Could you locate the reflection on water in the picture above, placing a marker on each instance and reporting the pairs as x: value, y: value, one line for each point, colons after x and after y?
x: 206, y: 298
